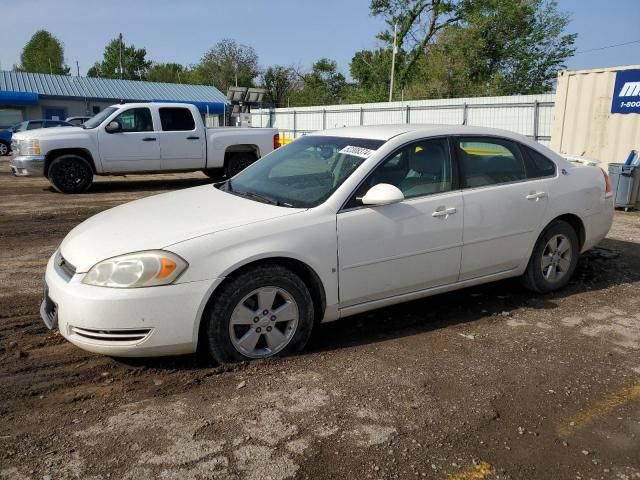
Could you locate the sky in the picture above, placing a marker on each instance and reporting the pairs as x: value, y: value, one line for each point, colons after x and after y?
x: 285, y: 32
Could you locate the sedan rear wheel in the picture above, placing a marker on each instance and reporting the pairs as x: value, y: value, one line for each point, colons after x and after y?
x: 554, y: 258
x: 263, y: 312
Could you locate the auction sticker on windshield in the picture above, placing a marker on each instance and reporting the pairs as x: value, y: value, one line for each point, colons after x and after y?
x: 357, y: 151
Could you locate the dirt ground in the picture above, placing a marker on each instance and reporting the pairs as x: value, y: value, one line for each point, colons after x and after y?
x: 490, y: 382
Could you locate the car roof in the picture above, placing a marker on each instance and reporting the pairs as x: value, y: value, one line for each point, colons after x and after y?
x: 387, y: 132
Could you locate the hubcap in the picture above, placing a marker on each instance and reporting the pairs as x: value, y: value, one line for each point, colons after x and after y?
x: 3, y: 149
x: 556, y: 258
x: 71, y: 174
x: 263, y: 322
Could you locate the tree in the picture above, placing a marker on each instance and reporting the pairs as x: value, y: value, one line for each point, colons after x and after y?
x: 279, y: 83
x: 418, y: 22
x: 324, y: 85
x: 43, y: 53
x: 477, y: 47
x: 134, y: 62
x: 170, y: 73
x: 227, y: 64
x: 371, y: 71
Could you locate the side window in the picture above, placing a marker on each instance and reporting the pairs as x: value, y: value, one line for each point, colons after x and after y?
x: 176, y: 119
x: 538, y: 165
x: 488, y: 161
x: 422, y: 168
x: 34, y: 125
x: 135, y: 120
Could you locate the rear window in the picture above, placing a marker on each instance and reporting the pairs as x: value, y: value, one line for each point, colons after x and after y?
x: 176, y: 119
x: 538, y: 165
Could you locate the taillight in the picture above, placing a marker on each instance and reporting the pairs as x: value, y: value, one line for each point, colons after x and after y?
x: 276, y: 141
x: 608, y: 192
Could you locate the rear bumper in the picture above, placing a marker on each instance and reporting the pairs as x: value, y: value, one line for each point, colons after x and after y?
x: 598, y: 224
x: 27, y: 165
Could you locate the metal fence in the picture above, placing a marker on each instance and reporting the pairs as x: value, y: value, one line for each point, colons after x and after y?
x: 529, y: 115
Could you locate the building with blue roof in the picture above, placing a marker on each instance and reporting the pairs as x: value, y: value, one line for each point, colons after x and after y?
x: 25, y: 96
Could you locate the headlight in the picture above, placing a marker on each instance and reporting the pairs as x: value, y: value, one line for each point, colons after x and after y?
x: 134, y: 270
x: 31, y: 147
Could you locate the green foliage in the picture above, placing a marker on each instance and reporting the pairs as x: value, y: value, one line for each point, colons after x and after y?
x: 134, y: 62
x: 279, y: 82
x: 371, y: 71
x: 227, y: 64
x: 324, y: 85
x: 43, y: 53
x: 172, y: 73
x: 475, y: 47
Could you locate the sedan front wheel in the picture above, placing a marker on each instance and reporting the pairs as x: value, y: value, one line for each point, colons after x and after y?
x: 263, y: 312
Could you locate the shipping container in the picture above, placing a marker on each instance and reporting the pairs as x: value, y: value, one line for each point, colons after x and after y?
x: 586, y: 119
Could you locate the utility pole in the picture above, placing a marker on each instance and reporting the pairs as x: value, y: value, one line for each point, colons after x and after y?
x: 77, y: 68
x: 121, y: 69
x: 393, y: 59
x: 50, y: 67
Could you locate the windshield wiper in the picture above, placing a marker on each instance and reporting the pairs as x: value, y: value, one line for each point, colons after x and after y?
x: 259, y: 197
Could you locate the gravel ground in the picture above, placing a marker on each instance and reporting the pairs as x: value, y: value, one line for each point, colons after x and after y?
x: 491, y: 382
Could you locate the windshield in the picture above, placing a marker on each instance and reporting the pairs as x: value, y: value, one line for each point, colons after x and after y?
x: 304, y: 173
x: 93, y: 122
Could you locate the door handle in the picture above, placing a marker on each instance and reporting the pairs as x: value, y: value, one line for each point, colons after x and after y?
x: 193, y: 138
x: 149, y: 139
x: 535, y: 196
x: 444, y: 212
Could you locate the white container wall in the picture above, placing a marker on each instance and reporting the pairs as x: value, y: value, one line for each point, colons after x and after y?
x: 584, y: 125
x: 529, y: 115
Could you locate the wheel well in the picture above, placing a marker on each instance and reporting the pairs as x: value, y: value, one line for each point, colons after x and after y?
x: 241, y: 148
x: 80, y: 152
x: 304, y: 271
x: 577, y: 225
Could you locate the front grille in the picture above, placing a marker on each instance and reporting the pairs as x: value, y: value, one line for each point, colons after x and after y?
x: 65, y: 267
x: 111, y: 336
x: 49, y: 310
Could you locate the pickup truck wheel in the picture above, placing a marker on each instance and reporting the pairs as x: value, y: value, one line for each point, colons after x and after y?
x: 238, y: 162
x: 264, y: 312
x: 215, y: 173
x: 553, y: 260
x: 70, y: 174
x: 4, y: 149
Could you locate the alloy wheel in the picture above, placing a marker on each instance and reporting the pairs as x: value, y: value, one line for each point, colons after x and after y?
x: 556, y: 258
x: 264, y: 322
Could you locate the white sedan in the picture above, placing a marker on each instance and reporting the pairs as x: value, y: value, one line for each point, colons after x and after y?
x: 334, y: 224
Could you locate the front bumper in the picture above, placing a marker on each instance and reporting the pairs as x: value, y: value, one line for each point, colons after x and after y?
x: 138, y: 322
x: 27, y: 165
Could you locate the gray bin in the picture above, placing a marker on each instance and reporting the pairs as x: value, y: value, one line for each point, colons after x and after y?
x: 625, y: 182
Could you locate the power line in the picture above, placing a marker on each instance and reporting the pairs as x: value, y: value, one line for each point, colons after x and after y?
x: 608, y: 46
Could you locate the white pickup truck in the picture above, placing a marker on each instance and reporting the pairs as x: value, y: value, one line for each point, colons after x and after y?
x: 137, y: 138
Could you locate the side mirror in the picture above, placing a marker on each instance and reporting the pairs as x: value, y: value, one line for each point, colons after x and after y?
x: 382, y: 194
x: 113, y: 127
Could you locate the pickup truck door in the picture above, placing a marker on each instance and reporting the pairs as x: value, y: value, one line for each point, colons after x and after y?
x: 182, y: 140
x: 135, y: 148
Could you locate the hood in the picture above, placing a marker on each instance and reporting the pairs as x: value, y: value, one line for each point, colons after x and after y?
x: 161, y: 220
x: 40, y: 133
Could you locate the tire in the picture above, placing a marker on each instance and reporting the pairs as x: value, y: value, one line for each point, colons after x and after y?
x: 552, y: 262
x: 236, y: 327
x: 4, y: 149
x: 238, y: 162
x: 70, y: 174
x: 214, y: 173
